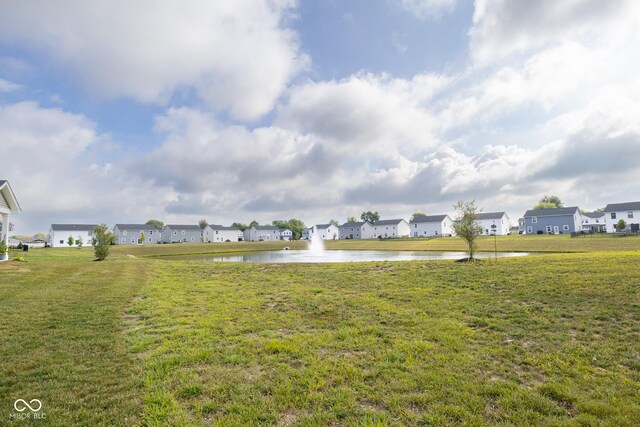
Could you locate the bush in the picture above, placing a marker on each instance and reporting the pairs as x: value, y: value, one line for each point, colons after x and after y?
x: 102, y: 239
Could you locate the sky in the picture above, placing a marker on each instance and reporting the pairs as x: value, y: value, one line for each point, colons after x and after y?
x: 119, y: 112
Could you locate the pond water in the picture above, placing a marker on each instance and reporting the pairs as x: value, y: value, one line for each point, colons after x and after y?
x: 302, y: 256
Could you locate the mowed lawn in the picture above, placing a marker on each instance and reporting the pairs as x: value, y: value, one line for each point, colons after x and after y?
x: 541, y: 340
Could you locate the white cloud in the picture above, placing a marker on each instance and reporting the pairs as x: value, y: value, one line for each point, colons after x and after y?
x: 428, y: 9
x: 235, y: 55
x: 7, y: 86
x: 503, y: 27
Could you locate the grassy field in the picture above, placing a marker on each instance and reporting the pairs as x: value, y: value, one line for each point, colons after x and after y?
x: 134, y: 340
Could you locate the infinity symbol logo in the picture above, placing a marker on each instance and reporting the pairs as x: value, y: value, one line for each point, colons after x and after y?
x: 26, y: 405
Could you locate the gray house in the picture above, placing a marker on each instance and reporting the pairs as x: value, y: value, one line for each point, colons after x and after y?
x: 130, y: 234
x: 181, y: 234
x: 355, y: 230
x: 261, y: 233
x: 553, y: 221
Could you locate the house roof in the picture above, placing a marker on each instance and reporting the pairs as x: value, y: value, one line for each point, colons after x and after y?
x: 323, y: 226
x: 388, y: 222
x: 7, y: 193
x: 617, y: 207
x: 490, y: 215
x: 593, y: 214
x: 136, y: 227
x: 222, y: 227
x: 353, y: 224
x: 73, y: 227
x: 551, y: 212
x: 184, y: 227
x: 266, y: 227
x: 429, y: 218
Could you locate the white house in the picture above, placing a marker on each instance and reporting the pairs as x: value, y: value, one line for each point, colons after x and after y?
x: 431, y: 226
x: 130, y: 234
x: 59, y: 234
x: 219, y: 233
x: 324, y: 231
x: 629, y: 212
x: 8, y: 205
x: 355, y: 230
x: 390, y: 228
x: 262, y: 232
x: 593, y: 222
x: 286, y: 234
x: 181, y: 234
x: 498, y: 219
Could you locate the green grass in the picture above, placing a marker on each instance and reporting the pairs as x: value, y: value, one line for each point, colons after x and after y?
x: 545, y: 340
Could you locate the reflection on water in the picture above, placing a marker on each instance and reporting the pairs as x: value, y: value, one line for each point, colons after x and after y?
x: 301, y: 256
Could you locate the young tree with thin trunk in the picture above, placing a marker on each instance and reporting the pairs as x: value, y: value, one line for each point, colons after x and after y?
x: 70, y: 241
x: 621, y: 225
x: 466, y: 226
x: 102, y: 239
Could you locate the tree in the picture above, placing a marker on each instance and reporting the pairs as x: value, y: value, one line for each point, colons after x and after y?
x: 549, y: 202
x: 253, y: 223
x: 102, y: 239
x: 352, y: 219
x: 334, y: 222
x: 156, y: 223
x: 240, y: 226
x: 621, y: 225
x: 79, y: 241
x: 202, y: 224
x: 416, y: 215
x: 70, y: 241
x: 370, y: 216
x: 466, y: 226
x: 295, y: 225
x: 142, y: 238
x: 40, y: 236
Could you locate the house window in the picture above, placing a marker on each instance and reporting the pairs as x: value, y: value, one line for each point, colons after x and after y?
x: 133, y: 240
x: 183, y: 232
x: 89, y: 233
x: 62, y: 242
x: 565, y: 227
x: 124, y: 232
x: 613, y: 215
x: 150, y: 232
x: 123, y: 241
x: 529, y: 230
x: 534, y: 219
x: 175, y: 233
x: 192, y: 238
x: 548, y: 229
x: 629, y: 214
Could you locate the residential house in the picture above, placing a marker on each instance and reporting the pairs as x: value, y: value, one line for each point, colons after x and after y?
x: 59, y: 234
x: 8, y: 205
x: 498, y: 219
x: 521, y: 228
x: 219, y: 233
x: 593, y: 222
x: 262, y: 233
x: 286, y: 234
x: 306, y: 233
x: 181, y: 234
x: 629, y: 212
x: 131, y: 234
x: 431, y: 226
x: 355, y: 230
x: 390, y: 228
x: 324, y: 231
x: 553, y: 221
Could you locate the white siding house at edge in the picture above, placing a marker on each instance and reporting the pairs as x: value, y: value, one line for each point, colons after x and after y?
x: 431, y: 226
x: 629, y: 212
x: 323, y: 231
x: 59, y: 234
x: 500, y: 219
x: 390, y: 228
x: 181, y: 234
x: 8, y: 205
x: 219, y: 233
x: 130, y: 234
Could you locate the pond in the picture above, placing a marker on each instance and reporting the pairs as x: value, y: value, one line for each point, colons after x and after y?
x: 305, y: 256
